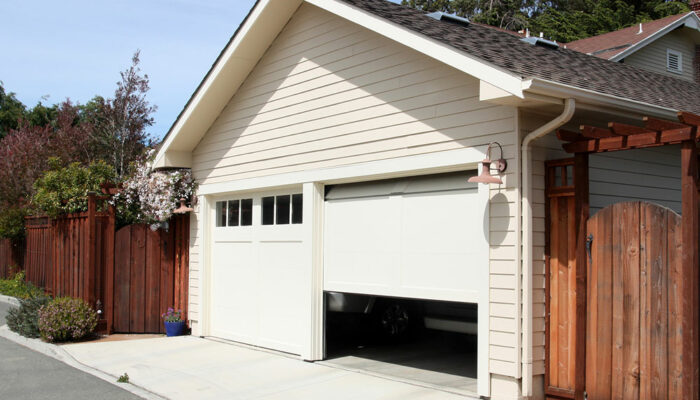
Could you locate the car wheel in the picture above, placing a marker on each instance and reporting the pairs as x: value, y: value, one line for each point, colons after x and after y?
x: 394, y: 320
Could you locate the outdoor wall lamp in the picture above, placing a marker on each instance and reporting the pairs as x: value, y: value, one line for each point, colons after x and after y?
x: 500, y: 165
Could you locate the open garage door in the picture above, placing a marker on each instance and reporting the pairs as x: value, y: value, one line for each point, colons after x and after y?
x: 422, y: 237
x: 258, y: 277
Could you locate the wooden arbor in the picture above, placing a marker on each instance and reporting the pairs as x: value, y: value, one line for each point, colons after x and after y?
x: 683, y: 376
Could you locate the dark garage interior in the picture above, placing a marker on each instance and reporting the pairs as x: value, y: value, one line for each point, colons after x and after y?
x: 427, y: 342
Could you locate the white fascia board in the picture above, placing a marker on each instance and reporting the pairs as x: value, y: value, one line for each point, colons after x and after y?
x: 457, y: 59
x: 549, y: 88
x: 444, y: 161
x: 250, y: 42
x: 691, y: 20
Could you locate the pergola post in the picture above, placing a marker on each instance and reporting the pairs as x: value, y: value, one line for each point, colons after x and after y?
x: 690, y: 314
x: 582, y: 213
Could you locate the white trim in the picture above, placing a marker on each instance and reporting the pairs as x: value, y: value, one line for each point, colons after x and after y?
x: 483, y: 379
x: 313, y: 240
x: 462, y: 61
x: 679, y: 61
x: 204, y: 228
x: 690, y: 20
x: 445, y: 161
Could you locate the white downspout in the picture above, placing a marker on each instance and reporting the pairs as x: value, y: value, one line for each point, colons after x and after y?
x: 563, y: 118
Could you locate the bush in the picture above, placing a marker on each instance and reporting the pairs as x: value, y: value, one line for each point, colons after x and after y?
x: 17, y: 287
x: 65, y: 190
x: 65, y: 319
x: 12, y: 222
x: 25, y: 319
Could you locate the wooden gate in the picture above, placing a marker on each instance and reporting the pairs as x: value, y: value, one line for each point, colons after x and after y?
x: 633, y: 337
x: 150, y: 275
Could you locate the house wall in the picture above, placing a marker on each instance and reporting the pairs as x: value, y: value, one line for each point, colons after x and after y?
x: 329, y: 93
x: 653, y: 56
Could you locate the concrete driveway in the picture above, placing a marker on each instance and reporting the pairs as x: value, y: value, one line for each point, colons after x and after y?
x: 194, y: 368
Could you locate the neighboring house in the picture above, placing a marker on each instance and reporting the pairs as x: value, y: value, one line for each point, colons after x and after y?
x: 669, y: 46
x: 313, y: 104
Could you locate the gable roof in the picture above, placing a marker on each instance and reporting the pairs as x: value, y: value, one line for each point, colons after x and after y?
x: 619, y: 44
x: 498, y: 58
x: 560, y: 65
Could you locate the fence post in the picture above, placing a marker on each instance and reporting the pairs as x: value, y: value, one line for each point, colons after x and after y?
x: 89, y: 284
x: 108, y: 276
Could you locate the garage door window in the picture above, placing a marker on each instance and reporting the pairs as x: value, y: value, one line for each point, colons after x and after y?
x: 234, y: 213
x: 281, y: 210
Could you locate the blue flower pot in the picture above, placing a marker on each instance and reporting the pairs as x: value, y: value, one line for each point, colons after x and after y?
x: 174, y: 328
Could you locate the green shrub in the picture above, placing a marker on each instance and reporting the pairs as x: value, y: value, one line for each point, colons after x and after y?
x: 12, y: 222
x: 25, y: 319
x: 65, y: 190
x: 17, y: 287
x: 65, y: 319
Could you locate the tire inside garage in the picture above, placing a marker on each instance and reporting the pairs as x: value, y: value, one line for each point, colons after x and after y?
x: 435, y: 345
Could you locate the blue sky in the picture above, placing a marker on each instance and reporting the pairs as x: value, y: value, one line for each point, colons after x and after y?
x: 76, y: 48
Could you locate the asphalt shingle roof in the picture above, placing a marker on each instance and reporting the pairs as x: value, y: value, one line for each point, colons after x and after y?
x: 557, y: 65
x: 609, y: 44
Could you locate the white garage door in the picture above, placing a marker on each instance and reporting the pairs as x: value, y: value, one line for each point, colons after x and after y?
x: 258, y: 273
x: 421, y: 237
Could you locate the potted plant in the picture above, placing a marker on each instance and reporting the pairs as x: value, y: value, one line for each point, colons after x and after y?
x: 174, y: 325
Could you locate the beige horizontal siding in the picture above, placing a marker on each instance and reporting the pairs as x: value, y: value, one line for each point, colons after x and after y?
x: 653, y: 56
x: 330, y: 93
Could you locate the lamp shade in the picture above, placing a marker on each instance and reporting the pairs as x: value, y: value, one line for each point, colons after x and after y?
x: 485, y: 176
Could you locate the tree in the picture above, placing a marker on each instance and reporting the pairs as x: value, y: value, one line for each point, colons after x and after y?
x: 11, y: 111
x: 506, y: 14
x: 119, y: 124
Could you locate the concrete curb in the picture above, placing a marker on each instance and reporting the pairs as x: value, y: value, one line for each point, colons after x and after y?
x: 56, y: 352
x: 9, y: 300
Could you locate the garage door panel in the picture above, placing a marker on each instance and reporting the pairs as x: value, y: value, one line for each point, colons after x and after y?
x: 409, y: 243
x: 231, y: 287
x: 281, y: 298
x: 260, y: 282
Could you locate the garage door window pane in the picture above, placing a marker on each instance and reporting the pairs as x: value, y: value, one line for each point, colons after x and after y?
x: 297, y: 208
x: 220, y: 213
x: 268, y: 210
x: 233, y: 209
x: 246, y: 212
x: 283, y: 210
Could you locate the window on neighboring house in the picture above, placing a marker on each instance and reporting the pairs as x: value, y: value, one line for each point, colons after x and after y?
x: 234, y: 213
x: 281, y: 210
x: 674, y: 61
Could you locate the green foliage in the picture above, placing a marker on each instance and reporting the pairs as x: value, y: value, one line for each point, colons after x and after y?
x: 25, y: 319
x: 12, y: 222
x: 65, y: 319
x: 64, y: 190
x: 18, y: 287
x: 11, y: 111
x: 560, y: 20
x: 124, y: 378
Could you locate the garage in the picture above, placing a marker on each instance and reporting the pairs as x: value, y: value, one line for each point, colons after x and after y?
x: 405, y: 278
x: 258, y: 278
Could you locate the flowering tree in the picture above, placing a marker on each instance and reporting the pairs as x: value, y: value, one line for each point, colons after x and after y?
x: 151, y: 196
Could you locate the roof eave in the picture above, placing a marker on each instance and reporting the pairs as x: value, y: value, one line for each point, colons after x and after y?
x: 595, y: 99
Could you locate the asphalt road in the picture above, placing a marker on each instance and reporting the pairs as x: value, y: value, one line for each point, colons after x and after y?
x: 26, y: 374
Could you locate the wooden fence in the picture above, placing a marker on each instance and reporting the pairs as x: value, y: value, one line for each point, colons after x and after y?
x: 11, y: 255
x: 80, y: 255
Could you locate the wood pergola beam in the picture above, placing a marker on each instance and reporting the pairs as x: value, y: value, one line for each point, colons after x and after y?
x: 656, y: 124
x: 593, y: 132
x: 569, y: 136
x: 627, y: 130
x: 641, y: 140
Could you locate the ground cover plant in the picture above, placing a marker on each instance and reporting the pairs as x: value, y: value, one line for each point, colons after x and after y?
x: 18, y: 287
x: 25, y: 318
